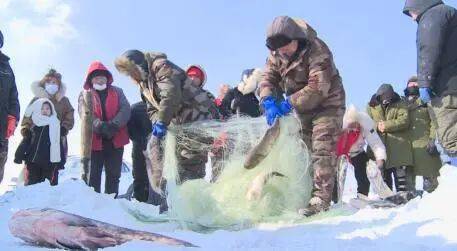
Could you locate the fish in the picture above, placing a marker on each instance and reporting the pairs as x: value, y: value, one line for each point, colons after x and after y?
x: 263, y: 148
x: 53, y: 228
x: 256, y: 187
x: 87, y: 118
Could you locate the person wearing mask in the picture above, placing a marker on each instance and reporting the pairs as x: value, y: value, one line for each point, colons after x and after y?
x: 301, y: 67
x: 52, y: 88
x: 111, y: 111
x: 422, y: 135
x: 391, y: 116
x: 437, y: 66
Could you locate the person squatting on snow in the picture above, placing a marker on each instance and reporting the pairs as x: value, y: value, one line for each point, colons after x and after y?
x: 358, y: 131
x: 172, y: 98
x: 242, y: 98
x: 111, y: 111
x: 52, y: 88
x: 139, y: 127
x: 422, y: 136
x: 437, y: 66
x: 9, y: 114
x: 392, y: 118
x: 301, y: 66
x: 41, y: 147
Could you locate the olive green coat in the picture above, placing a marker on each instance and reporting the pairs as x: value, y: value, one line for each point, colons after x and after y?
x: 421, y: 132
x: 396, y: 135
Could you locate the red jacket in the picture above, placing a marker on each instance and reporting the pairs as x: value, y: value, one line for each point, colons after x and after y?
x: 117, y: 109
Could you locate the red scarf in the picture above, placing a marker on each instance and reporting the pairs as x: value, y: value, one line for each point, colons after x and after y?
x: 346, y: 141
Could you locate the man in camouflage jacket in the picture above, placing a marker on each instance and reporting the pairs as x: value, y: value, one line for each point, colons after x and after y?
x: 301, y: 66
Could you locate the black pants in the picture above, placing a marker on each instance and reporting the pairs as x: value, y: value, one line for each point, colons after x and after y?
x: 403, y: 177
x: 360, y: 170
x: 111, y: 159
x: 37, y: 173
x: 3, y: 156
x: 140, y: 175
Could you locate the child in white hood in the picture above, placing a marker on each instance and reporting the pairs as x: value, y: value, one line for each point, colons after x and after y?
x: 41, y: 148
x: 358, y: 131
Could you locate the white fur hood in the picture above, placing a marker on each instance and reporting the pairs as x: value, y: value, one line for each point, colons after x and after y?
x: 39, y: 91
x: 249, y: 84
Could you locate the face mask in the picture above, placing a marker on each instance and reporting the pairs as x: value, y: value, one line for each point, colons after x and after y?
x: 100, y: 87
x: 412, y: 91
x: 51, y: 88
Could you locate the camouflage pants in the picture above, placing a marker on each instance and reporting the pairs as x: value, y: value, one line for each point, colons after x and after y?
x: 444, y: 115
x: 191, y: 164
x: 320, y: 131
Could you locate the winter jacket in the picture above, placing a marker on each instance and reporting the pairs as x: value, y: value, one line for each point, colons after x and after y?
x: 139, y: 125
x: 170, y: 94
x: 9, y: 102
x: 310, y: 78
x: 436, y: 45
x: 367, y: 134
x: 421, y: 132
x: 111, y: 111
x: 396, y: 136
x: 35, y: 148
x: 65, y: 111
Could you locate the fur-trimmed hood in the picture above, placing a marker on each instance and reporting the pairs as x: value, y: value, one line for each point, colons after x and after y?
x: 353, y: 115
x: 39, y: 91
x: 250, y: 83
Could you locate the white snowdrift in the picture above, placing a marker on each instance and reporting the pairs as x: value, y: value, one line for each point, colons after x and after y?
x: 423, y: 224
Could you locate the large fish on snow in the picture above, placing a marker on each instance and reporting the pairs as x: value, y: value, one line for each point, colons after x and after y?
x: 57, y: 229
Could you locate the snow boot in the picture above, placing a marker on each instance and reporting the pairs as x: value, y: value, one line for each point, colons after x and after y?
x: 403, y: 197
x: 315, y: 206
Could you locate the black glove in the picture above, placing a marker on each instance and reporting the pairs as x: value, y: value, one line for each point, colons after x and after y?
x: 108, y: 130
x: 63, y: 131
x: 431, y: 148
x: 26, y: 132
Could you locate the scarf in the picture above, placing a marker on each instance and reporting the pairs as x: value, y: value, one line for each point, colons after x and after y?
x: 33, y: 111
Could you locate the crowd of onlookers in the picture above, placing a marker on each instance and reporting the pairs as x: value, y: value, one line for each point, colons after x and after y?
x: 300, y: 77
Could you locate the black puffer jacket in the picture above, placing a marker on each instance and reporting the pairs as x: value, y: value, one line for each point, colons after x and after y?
x: 245, y: 104
x: 35, y: 148
x: 139, y: 125
x: 436, y: 45
x: 9, y: 103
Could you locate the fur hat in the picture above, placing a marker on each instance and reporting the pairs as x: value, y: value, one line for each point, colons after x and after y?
x: 132, y: 63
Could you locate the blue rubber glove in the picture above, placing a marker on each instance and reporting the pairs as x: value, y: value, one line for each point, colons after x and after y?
x: 272, y: 111
x: 453, y: 161
x: 159, y: 129
x: 425, y: 94
x: 285, y: 106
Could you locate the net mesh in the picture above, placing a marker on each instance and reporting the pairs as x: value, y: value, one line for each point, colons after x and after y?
x: 272, y: 191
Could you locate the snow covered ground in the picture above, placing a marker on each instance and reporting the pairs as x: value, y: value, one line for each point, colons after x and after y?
x: 424, y: 224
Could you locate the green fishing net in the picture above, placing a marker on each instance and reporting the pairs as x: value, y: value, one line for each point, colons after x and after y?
x: 271, y: 192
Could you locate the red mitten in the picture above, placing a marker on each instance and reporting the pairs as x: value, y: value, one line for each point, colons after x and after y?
x: 11, y: 126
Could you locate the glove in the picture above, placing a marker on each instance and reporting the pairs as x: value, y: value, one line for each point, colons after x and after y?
x: 63, y: 131
x: 159, y: 129
x: 285, y: 106
x: 272, y: 111
x: 11, y: 126
x: 431, y: 148
x: 26, y: 132
x: 425, y: 94
x: 109, y: 131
